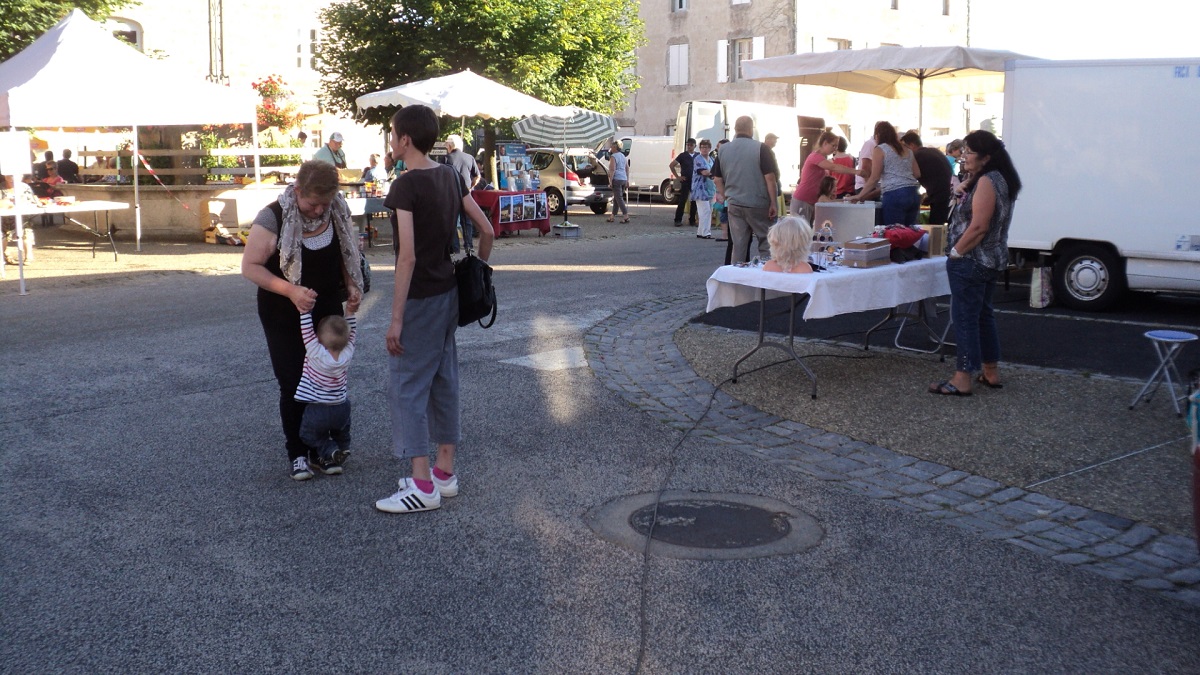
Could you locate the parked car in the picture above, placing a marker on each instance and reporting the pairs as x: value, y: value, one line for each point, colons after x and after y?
x: 582, y: 179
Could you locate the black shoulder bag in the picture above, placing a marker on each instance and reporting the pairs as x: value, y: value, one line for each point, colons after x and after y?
x: 476, y: 294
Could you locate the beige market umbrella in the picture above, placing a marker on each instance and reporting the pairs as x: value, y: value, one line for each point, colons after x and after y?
x: 892, y: 72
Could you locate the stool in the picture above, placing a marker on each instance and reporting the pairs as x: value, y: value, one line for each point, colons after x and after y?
x: 1167, y: 343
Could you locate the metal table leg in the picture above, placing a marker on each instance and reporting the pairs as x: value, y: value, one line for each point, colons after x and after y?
x: 789, y: 348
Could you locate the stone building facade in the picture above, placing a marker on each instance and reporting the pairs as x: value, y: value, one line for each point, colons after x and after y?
x: 694, y: 49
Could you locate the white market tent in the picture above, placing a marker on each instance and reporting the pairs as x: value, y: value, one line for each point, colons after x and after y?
x: 462, y: 94
x: 77, y: 74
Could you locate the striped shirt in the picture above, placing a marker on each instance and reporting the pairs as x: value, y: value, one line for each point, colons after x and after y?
x: 324, y: 377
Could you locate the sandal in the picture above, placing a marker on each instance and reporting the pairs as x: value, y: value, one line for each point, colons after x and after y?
x: 946, y: 389
x: 625, y: 221
x: 608, y: 220
x: 990, y: 385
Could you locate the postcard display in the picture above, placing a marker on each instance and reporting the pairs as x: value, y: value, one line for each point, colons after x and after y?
x: 516, y: 175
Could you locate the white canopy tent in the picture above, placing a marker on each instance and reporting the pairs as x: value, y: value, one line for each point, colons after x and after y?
x: 78, y: 74
x: 463, y: 94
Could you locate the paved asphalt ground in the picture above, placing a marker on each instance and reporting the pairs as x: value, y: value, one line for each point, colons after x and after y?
x: 150, y: 524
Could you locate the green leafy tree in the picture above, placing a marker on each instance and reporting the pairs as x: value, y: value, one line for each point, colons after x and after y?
x: 23, y: 21
x: 560, y: 51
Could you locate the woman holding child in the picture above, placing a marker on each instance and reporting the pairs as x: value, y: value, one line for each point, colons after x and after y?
x: 303, y: 255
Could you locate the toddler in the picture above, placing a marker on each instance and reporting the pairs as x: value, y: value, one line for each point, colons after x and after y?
x: 326, y: 423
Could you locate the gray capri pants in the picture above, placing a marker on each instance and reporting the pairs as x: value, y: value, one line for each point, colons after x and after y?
x: 423, y: 381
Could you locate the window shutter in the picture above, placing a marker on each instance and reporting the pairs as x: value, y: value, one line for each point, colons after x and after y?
x: 759, y: 48
x: 722, y: 60
x: 683, y: 65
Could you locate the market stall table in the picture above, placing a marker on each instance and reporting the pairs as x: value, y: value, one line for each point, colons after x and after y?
x: 489, y: 201
x: 841, y: 290
x: 27, y: 211
x: 361, y: 210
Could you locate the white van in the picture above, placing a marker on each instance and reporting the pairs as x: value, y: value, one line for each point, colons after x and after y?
x: 714, y: 120
x: 1099, y: 147
x: 649, y: 160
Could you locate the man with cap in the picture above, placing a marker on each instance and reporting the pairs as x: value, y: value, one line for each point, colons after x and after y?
x: 331, y: 152
x: 466, y: 167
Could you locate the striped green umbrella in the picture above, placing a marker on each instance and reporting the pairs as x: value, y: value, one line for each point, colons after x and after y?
x: 576, y: 127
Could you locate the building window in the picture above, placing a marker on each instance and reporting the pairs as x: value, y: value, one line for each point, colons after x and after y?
x: 128, y: 30
x: 306, y: 48
x: 945, y: 7
x: 677, y: 65
x: 739, y: 2
x: 895, y: 4
x: 679, y: 5
x: 731, y: 54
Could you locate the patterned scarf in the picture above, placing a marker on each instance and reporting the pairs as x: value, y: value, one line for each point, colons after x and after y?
x: 295, y: 226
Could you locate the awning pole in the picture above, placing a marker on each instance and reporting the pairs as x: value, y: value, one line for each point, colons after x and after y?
x: 137, y: 196
x: 257, y: 167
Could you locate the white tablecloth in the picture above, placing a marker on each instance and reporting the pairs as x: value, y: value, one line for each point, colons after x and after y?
x: 841, y: 291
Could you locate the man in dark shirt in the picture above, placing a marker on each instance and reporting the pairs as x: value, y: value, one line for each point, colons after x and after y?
x: 39, y: 168
x: 67, y: 169
x: 681, y: 170
x: 935, y: 177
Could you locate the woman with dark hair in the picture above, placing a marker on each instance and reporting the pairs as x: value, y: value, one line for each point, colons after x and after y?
x: 303, y: 255
x: 422, y: 353
x: 978, y: 240
x: 894, y: 169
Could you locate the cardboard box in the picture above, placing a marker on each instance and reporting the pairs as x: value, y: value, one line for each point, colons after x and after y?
x: 867, y: 249
x: 937, y: 239
x: 864, y: 264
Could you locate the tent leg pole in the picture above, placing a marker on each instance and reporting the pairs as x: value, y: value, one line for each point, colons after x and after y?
x: 257, y: 164
x: 137, y: 197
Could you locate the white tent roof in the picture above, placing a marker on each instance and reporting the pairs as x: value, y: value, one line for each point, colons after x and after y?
x: 892, y: 72
x: 463, y: 94
x: 78, y: 74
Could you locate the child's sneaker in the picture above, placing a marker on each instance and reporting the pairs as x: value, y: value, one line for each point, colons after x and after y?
x: 300, y: 470
x: 329, y: 467
x: 410, y: 499
x: 447, y: 487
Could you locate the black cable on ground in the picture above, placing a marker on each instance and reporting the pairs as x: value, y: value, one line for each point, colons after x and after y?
x: 673, y: 463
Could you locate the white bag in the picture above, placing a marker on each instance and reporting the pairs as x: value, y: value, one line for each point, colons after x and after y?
x: 1041, y: 288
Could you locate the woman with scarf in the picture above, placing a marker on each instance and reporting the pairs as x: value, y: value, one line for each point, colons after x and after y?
x: 303, y: 255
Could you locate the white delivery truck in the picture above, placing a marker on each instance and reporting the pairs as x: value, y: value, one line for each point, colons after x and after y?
x: 1106, y: 152
x: 714, y: 120
x: 649, y: 159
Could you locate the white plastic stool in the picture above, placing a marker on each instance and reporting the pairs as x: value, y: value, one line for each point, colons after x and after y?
x: 1167, y: 344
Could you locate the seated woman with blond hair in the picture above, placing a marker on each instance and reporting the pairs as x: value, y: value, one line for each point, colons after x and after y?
x: 790, y: 240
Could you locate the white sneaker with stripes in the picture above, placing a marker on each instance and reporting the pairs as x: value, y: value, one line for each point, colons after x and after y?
x: 409, y: 499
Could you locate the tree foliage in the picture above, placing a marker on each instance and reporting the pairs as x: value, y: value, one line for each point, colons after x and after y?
x: 560, y: 51
x: 23, y: 21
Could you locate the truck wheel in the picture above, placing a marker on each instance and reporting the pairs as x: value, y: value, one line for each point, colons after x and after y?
x: 555, y: 202
x: 599, y: 208
x: 667, y: 190
x: 1088, y: 277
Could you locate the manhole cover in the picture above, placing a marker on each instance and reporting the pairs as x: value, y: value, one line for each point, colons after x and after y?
x: 705, y: 526
x: 710, y: 524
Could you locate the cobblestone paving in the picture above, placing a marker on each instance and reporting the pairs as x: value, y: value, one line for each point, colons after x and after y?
x: 632, y: 353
